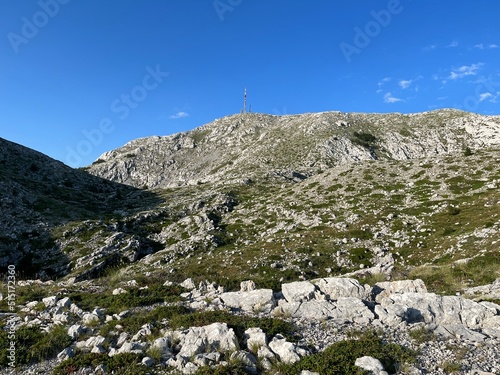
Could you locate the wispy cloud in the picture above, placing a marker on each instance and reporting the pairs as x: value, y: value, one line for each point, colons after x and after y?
x: 453, y: 44
x: 491, y: 97
x: 384, y: 81
x: 485, y: 96
x: 429, y: 48
x: 486, y: 46
x: 180, y: 114
x: 388, y: 98
x: 465, y: 70
x: 404, y: 83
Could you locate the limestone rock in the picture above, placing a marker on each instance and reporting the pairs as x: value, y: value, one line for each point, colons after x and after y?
x: 371, y: 364
x: 431, y: 308
x: 298, y: 291
x: 352, y: 310
x: 50, y: 301
x: 75, y: 331
x: 384, y: 289
x: 255, y: 338
x: 148, y: 361
x: 66, y: 354
x: 336, y: 287
x: 214, y: 337
x: 247, y: 286
x: 260, y: 300
x: 286, y: 351
x: 491, y: 291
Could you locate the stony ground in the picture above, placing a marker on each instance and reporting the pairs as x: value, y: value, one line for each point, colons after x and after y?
x: 448, y: 334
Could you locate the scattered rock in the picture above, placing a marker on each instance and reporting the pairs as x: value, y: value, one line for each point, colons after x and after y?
x: 371, y: 364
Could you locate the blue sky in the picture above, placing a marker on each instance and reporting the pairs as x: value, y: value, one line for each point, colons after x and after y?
x: 81, y: 77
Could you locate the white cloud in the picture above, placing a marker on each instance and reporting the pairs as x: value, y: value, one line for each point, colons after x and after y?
x: 432, y: 47
x: 404, y: 84
x: 454, y: 43
x: 388, y: 98
x: 464, y: 71
x: 384, y: 81
x: 486, y: 46
x: 180, y: 114
x: 485, y: 96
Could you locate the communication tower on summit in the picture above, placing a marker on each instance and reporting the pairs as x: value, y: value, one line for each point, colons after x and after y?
x: 245, y: 101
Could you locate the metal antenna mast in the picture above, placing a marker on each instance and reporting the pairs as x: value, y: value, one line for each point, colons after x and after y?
x: 245, y: 101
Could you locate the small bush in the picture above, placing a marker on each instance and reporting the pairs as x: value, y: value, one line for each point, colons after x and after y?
x: 366, y: 140
x: 468, y: 151
x: 33, y: 345
x: 123, y: 364
x: 421, y: 335
x: 135, y: 297
x: 230, y: 369
x: 339, y: 358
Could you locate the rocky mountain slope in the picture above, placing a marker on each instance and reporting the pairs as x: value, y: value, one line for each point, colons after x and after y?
x: 275, y: 200
x: 292, y: 147
x: 38, y: 194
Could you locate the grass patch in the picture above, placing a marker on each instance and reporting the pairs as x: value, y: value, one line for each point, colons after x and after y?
x: 33, y: 345
x: 451, y: 278
x: 135, y: 297
x: 229, y: 369
x: 124, y: 364
x: 339, y: 358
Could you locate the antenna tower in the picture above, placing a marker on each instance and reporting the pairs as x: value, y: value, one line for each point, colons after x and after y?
x: 245, y: 101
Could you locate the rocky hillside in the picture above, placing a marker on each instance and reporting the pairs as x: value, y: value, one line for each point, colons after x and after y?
x: 305, y: 206
x: 38, y: 194
x: 248, y: 146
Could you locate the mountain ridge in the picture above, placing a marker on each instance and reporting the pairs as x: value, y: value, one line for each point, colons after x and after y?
x: 248, y: 146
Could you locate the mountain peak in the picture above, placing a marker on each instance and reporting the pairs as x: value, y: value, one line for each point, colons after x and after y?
x: 255, y: 145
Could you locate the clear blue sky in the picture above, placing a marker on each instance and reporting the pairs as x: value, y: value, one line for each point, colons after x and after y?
x: 81, y: 77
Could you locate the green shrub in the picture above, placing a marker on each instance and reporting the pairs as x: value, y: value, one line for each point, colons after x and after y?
x: 230, y: 369
x: 366, y: 140
x: 123, y: 364
x: 339, y: 358
x: 135, y: 297
x: 33, y: 345
x: 134, y: 322
x: 421, y: 335
x: 468, y: 151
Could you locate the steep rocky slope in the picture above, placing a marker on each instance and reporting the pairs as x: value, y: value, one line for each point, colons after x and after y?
x: 251, y: 145
x: 38, y: 194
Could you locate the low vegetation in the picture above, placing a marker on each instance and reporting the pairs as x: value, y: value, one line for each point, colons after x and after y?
x: 339, y: 358
x: 33, y: 345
